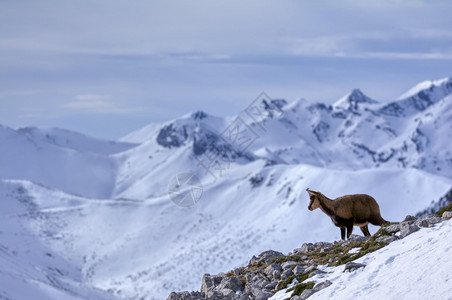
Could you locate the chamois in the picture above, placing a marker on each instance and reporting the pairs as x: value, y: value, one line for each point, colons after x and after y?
x: 348, y: 211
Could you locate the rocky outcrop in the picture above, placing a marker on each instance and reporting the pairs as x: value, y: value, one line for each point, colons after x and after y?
x: 272, y: 271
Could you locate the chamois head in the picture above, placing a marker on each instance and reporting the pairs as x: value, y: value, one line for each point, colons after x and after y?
x: 314, y: 199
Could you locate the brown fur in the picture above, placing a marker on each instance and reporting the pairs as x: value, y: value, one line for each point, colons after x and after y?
x: 348, y: 211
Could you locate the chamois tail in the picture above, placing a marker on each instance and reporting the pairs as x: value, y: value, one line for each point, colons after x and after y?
x: 378, y: 220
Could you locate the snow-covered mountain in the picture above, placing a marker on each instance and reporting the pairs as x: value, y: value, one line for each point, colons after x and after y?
x: 83, y: 216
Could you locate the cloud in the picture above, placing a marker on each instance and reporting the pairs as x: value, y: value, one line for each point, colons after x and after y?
x: 98, y: 104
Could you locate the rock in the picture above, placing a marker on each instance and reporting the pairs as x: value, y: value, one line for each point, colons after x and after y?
x: 298, y: 270
x: 272, y: 268
x: 387, y: 239
x: 248, y: 277
x: 265, y: 257
x: 271, y: 285
x: 307, y: 247
x: 238, y: 271
x: 325, y: 249
x: 276, y: 274
x: 447, y: 214
x: 409, y: 218
x: 316, y: 272
x: 286, y: 274
x: 186, y: 296
x: 260, y: 281
x: 392, y: 228
x: 352, y: 266
x: 306, y: 293
x: 322, y: 245
x: 407, y: 229
x: 259, y: 294
x: 209, y: 282
x: 422, y: 223
x: 309, y: 269
x: 322, y: 285
x: 220, y: 286
x: 433, y: 219
x: 231, y: 283
x: 358, y: 238
x: 289, y: 264
x: 225, y: 293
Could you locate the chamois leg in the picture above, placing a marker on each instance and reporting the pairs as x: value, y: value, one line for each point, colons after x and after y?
x: 343, y: 233
x: 365, y: 230
x: 349, y: 230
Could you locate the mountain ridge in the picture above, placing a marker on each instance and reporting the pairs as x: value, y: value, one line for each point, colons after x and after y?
x: 253, y: 169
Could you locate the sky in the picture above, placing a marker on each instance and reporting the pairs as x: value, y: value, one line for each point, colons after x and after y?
x: 108, y: 67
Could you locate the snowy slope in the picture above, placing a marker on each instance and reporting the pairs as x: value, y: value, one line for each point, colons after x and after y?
x: 31, y: 268
x: 73, y: 140
x: 122, y: 233
x: 147, y: 248
x: 417, y: 267
x: 59, y: 159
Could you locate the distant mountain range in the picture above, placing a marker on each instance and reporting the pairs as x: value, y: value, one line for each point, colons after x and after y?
x: 86, y: 218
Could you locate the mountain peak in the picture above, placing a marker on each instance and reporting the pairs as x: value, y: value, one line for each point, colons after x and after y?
x: 443, y: 85
x: 352, y: 100
x: 199, y: 115
x: 419, y: 97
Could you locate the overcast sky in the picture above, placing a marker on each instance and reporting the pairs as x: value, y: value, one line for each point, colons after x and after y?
x: 108, y: 67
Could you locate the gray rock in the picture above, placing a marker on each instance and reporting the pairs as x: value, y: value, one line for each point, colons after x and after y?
x: 298, y: 270
x: 259, y: 294
x: 231, y: 283
x: 289, y: 264
x: 316, y: 272
x: 265, y: 257
x: 238, y: 271
x: 227, y: 293
x: 325, y: 249
x: 296, y: 297
x: 358, y: 238
x: 309, y: 269
x: 306, y: 247
x: 352, y: 266
x: 409, y: 218
x: 276, y: 274
x: 387, y: 239
x: 306, y: 293
x: 393, y: 228
x: 322, y: 245
x: 261, y: 282
x: 220, y: 287
x: 447, y: 214
x: 407, y: 229
x: 286, y: 274
x: 433, y: 219
x: 248, y: 277
x: 272, y: 268
x: 271, y: 285
x: 322, y: 285
x: 186, y: 296
x: 422, y: 223
x: 209, y: 282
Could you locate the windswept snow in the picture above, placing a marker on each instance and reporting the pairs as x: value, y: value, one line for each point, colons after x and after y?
x: 416, y: 267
